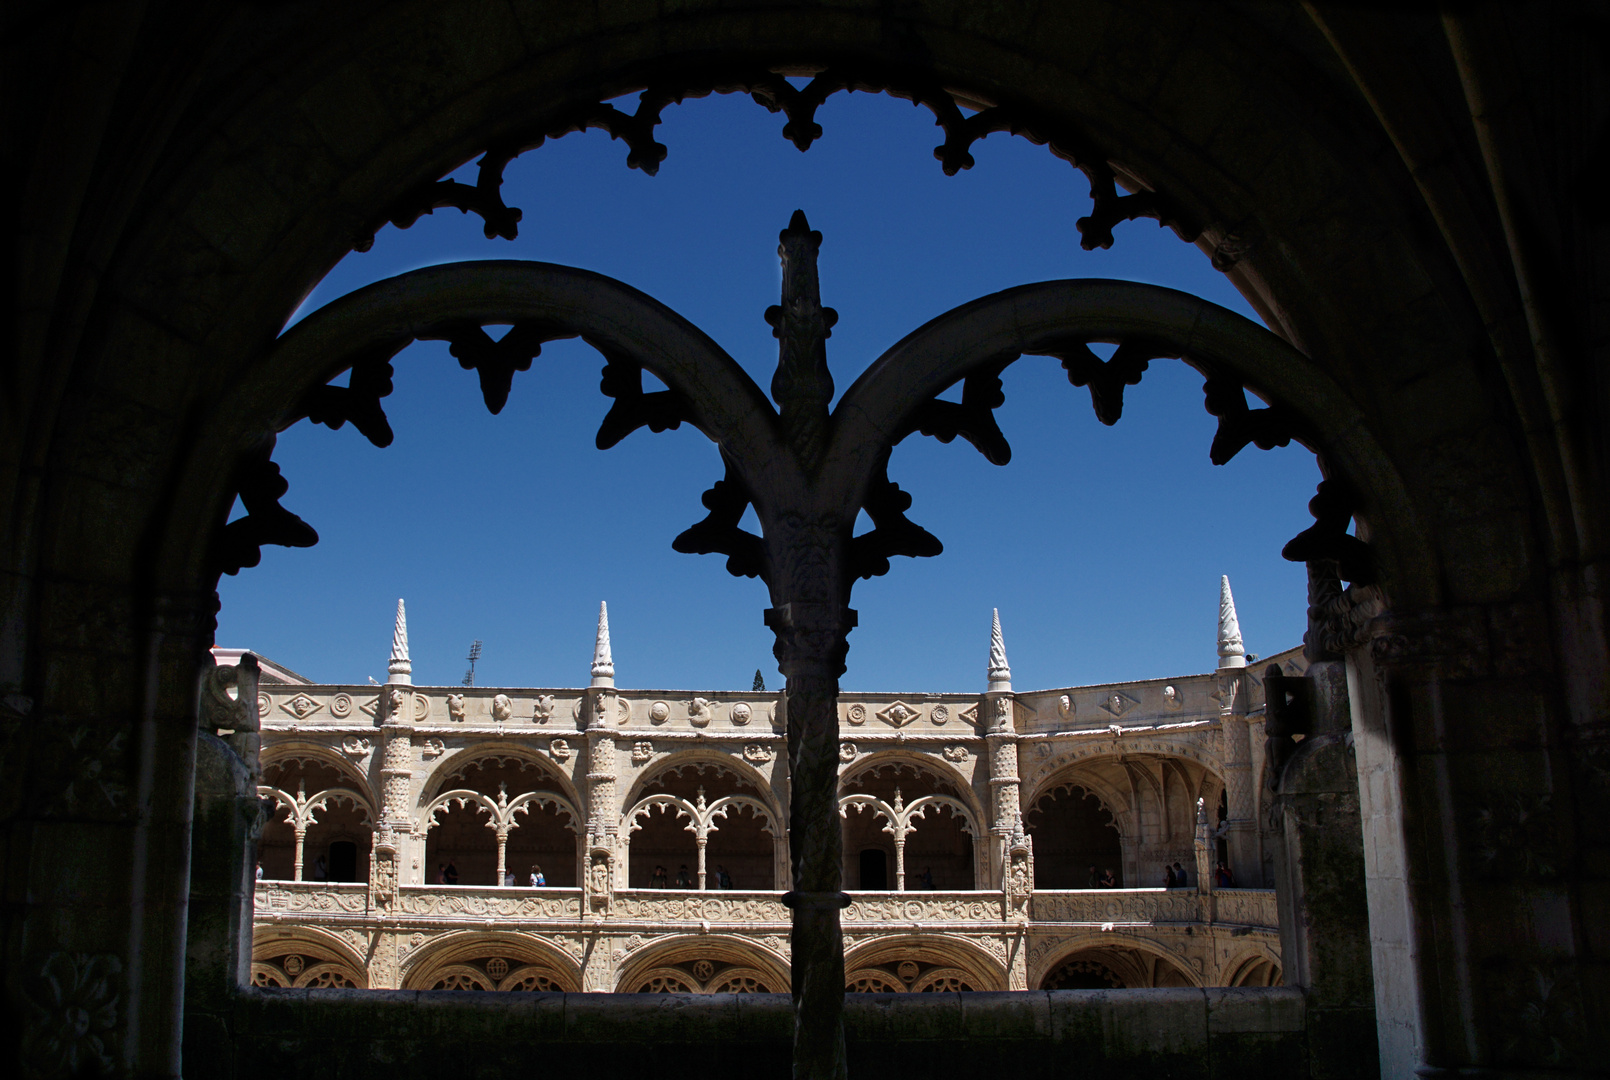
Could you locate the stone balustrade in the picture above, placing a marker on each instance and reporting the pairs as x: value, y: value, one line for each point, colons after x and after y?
x: 282, y: 901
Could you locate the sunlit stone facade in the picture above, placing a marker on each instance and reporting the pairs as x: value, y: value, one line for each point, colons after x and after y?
x: 973, y: 825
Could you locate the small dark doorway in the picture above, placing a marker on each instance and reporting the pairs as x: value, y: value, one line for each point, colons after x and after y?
x: 343, y: 861
x: 874, y: 870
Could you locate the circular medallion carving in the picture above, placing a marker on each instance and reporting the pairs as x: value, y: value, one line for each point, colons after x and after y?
x: 263, y: 704
x: 703, y: 969
x: 497, y: 967
x: 847, y: 751
x: 907, y: 970
x: 741, y: 713
x: 421, y: 707
x: 293, y: 965
x: 940, y: 714
x: 856, y: 714
x: 340, y: 705
x: 659, y: 712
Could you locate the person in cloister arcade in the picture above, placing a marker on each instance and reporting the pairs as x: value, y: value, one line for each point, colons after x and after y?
x: 671, y: 807
x: 321, y: 828
x: 888, y: 794
x: 1125, y: 813
x: 494, y: 813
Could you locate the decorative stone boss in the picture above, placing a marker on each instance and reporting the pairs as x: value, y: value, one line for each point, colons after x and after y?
x: 806, y: 470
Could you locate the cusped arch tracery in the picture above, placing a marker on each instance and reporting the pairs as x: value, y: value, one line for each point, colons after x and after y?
x: 282, y: 753
x: 690, y: 765
x: 1100, y: 945
x: 750, y: 965
x: 450, y: 771
x: 478, y: 960
x: 934, y: 958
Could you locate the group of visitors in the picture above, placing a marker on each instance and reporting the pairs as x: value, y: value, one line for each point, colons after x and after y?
x: 661, y: 879
x: 1174, y: 876
x: 1103, y: 879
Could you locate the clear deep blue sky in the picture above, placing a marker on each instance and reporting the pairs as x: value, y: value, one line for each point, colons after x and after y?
x: 1101, y: 546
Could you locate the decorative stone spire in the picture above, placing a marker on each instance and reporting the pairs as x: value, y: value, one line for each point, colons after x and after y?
x: 802, y: 386
x: 1232, y: 654
x: 401, y: 671
x: 1000, y: 675
x: 603, y: 663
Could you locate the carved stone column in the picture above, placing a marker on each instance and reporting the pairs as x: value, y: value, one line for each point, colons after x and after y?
x: 812, y: 640
x: 1236, y: 748
x: 1000, y: 740
x: 603, y: 811
x: 396, y: 796
x: 396, y: 824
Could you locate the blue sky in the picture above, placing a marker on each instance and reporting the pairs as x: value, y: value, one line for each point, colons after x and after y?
x: 1101, y: 546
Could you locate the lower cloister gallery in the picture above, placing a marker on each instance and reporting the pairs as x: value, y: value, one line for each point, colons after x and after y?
x: 604, y: 839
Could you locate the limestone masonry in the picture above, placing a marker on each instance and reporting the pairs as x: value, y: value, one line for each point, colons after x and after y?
x: 410, y: 822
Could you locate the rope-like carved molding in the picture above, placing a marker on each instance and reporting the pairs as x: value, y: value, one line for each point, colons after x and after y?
x: 799, y: 104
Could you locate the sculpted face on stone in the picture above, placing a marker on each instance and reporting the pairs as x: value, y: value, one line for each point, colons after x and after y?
x: 502, y: 708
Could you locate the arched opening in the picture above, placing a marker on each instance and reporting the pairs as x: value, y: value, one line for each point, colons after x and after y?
x: 683, y: 799
x: 1114, y: 967
x: 1075, y: 840
x: 905, y: 826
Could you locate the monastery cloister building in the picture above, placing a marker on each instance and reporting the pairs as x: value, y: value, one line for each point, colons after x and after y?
x: 408, y: 823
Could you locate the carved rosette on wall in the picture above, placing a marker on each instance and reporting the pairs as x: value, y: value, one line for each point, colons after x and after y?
x: 74, y: 1002
x: 940, y: 714
x: 856, y: 714
x: 341, y: 706
x: 847, y: 752
x: 741, y: 713
x: 659, y: 712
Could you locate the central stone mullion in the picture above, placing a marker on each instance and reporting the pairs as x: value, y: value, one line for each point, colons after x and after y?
x: 812, y: 639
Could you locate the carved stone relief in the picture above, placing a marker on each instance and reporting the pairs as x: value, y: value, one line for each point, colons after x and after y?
x: 898, y: 714
x: 642, y: 750
x: 559, y: 749
x: 301, y: 706
x: 699, y: 712
x: 741, y: 713
x: 939, y: 714
x: 542, y: 709
x: 659, y: 712
x: 502, y: 708
x: 341, y: 706
x: 758, y: 754
x: 455, y: 708
x: 856, y: 714
x: 957, y: 754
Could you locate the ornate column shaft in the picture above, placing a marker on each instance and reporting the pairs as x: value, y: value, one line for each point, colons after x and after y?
x: 812, y: 640
x: 1006, y: 800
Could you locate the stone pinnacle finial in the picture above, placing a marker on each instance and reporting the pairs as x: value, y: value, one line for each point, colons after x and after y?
x: 1000, y: 675
x: 603, y: 663
x: 802, y: 385
x: 1232, y: 654
x: 400, y: 669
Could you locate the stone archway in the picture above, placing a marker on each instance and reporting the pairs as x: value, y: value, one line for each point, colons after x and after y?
x: 158, y: 267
